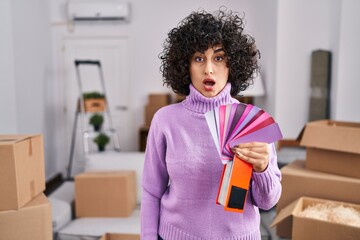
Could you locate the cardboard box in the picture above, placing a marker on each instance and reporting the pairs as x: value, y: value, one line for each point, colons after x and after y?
x: 33, y: 221
x: 93, y: 105
x: 120, y: 236
x: 297, y: 181
x: 155, y: 102
x: 333, y: 147
x: 159, y: 100
x: 105, y: 194
x: 149, y: 113
x: 22, y: 171
x: 143, y: 135
x: 304, y: 228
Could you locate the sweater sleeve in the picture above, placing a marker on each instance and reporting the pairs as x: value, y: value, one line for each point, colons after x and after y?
x: 266, y: 186
x: 150, y: 208
x: 154, y: 181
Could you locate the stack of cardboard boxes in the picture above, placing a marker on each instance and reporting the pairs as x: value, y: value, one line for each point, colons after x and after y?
x: 154, y: 103
x: 331, y: 171
x: 25, y: 212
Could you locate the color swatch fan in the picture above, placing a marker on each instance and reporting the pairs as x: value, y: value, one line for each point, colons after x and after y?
x: 230, y: 125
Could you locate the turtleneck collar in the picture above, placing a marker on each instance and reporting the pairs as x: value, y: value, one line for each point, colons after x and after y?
x: 196, y: 102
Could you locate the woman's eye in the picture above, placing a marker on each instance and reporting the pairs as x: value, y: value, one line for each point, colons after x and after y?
x: 219, y: 58
x: 198, y: 59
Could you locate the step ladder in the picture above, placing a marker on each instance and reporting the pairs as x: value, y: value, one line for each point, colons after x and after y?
x: 82, y: 113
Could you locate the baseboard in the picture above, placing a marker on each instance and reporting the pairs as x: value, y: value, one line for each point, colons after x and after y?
x: 53, y: 183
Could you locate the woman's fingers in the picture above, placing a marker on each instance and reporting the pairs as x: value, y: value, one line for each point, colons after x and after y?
x: 253, y: 150
x: 251, y: 145
x: 255, y: 153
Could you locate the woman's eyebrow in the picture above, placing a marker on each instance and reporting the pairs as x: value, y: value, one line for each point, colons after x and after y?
x: 219, y: 50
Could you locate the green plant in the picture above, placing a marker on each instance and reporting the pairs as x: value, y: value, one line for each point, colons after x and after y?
x: 101, y: 140
x: 89, y: 95
x: 96, y: 120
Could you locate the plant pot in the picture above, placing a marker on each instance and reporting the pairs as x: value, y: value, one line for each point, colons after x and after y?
x: 97, y: 128
x: 101, y: 140
x: 101, y: 148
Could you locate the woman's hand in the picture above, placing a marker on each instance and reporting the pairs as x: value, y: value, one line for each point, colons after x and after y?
x: 255, y: 153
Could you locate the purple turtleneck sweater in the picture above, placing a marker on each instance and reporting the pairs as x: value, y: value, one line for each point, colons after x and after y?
x: 182, y: 173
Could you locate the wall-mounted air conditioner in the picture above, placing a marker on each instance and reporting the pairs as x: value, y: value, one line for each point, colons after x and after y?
x: 98, y: 10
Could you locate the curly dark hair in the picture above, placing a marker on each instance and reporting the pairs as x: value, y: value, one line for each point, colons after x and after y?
x: 199, y: 31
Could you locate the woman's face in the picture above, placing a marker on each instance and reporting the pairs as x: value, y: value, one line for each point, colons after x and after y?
x: 208, y: 71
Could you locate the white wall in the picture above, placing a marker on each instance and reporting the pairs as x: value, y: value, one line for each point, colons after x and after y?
x: 304, y: 26
x: 348, y: 75
x: 262, y: 15
x: 25, y: 63
x: 286, y: 32
x: 8, y: 119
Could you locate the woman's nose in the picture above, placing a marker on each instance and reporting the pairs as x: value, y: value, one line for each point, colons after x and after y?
x: 209, y: 68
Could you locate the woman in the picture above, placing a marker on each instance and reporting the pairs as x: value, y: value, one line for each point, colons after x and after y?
x: 208, y: 58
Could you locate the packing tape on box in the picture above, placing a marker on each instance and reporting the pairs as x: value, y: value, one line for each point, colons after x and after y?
x: 30, y: 146
x: 32, y: 188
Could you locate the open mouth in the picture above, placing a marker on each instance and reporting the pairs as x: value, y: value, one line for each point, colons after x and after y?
x: 209, y: 82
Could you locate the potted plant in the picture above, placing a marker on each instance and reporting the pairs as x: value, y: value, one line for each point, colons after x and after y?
x: 101, y: 140
x: 94, y: 102
x: 92, y: 95
x: 96, y: 120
